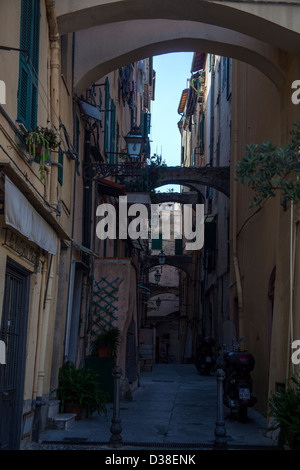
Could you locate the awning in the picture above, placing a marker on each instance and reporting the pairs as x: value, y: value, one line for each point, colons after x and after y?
x: 198, y: 61
x: 110, y: 188
x: 84, y: 249
x: 183, y: 99
x: 191, y: 102
x: 90, y: 110
x: 22, y: 216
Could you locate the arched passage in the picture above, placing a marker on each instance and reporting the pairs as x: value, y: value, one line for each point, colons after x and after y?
x: 153, y: 37
x: 139, y: 28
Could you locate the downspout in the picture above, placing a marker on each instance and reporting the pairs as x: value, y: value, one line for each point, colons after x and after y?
x: 46, y: 286
x: 236, y: 266
x: 36, y: 405
x: 54, y: 92
x: 291, y: 306
x: 212, y: 114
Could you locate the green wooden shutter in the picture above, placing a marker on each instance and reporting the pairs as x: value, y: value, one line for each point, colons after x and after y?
x: 107, y: 118
x: 28, y: 71
x: 112, y: 132
x: 60, y: 173
x: 157, y: 243
x: 178, y: 246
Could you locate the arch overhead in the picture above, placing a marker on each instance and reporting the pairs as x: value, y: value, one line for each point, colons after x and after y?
x: 159, y: 290
x: 110, y: 34
x: 183, y: 262
x: 195, y: 177
x: 187, y: 197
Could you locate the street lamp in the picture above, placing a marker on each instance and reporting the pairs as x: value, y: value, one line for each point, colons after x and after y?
x: 157, y: 276
x: 135, y: 142
x: 162, y: 258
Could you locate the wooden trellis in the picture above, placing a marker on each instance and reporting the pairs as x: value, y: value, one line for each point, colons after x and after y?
x: 104, y: 304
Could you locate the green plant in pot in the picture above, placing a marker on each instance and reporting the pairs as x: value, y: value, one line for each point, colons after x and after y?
x: 40, y: 142
x: 107, y: 342
x: 284, y: 407
x: 79, y: 391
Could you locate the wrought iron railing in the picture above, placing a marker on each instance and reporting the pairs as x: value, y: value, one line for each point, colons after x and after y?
x: 134, y: 176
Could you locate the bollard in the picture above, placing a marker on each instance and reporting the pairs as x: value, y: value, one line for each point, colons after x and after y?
x: 116, y: 428
x: 220, y: 430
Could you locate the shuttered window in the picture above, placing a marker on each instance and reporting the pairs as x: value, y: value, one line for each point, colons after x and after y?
x: 107, y: 116
x: 157, y: 243
x: 60, y: 173
x: 29, y: 65
x: 112, y: 132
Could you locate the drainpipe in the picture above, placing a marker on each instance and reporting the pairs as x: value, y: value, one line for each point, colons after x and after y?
x: 291, y: 319
x: 37, y: 400
x: 236, y: 266
x: 54, y: 93
x: 212, y: 114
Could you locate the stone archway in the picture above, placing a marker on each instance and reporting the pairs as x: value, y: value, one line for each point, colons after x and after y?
x: 255, y: 34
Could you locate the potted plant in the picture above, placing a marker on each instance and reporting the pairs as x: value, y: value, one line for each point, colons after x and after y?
x: 285, y: 409
x: 40, y: 142
x: 107, y: 342
x: 79, y: 391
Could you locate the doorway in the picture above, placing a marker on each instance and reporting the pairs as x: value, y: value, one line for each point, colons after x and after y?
x: 14, y: 334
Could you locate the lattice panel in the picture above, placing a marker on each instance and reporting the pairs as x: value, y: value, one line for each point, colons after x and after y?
x: 105, y: 298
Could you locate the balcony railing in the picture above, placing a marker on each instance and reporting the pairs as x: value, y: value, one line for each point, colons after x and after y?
x: 134, y: 176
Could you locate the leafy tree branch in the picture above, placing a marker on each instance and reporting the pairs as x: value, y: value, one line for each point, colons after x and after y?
x: 267, y: 169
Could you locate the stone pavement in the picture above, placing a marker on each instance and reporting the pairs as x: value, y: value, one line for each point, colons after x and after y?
x: 174, y: 407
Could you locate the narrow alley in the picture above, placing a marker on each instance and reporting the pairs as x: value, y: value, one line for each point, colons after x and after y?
x: 127, y: 273
x: 174, y: 408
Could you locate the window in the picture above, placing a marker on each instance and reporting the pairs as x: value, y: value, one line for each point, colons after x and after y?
x: 193, y: 158
x: 224, y: 71
x: 107, y: 117
x: 157, y: 243
x: 202, y: 134
x: 60, y: 173
x: 178, y: 246
x: 110, y: 124
x: 28, y: 69
x: 112, y: 132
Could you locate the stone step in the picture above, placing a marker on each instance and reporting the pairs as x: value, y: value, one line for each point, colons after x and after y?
x: 61, y: 421
x: 53, y: 408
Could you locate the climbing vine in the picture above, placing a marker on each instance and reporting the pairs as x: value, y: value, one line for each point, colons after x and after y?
x: 267, y: 169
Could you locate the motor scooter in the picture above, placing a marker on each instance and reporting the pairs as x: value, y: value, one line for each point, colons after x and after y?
x: 238, y: 382
x: 237, y: 385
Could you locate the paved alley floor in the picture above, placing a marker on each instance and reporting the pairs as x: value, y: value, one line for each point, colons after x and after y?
x: 174, y: 407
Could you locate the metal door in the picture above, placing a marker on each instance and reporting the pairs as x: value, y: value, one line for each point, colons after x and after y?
x: 14, y: 333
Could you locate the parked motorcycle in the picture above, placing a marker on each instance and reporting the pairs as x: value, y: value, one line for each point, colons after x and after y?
x: 205, y: 355
x: 237, y: 366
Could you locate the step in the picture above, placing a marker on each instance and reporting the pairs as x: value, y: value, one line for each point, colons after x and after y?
x: 53, y: 408
x: 62, y: 421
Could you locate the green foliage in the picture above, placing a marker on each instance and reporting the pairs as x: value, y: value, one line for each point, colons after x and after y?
x: 285, y: 409
x: 108, y: 338
x: 78, y: 386
x: 39, y: 143
x: 267, y: 169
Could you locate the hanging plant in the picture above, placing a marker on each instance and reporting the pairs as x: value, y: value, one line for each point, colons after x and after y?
x: 267, y: 169
x: 40, y: 142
